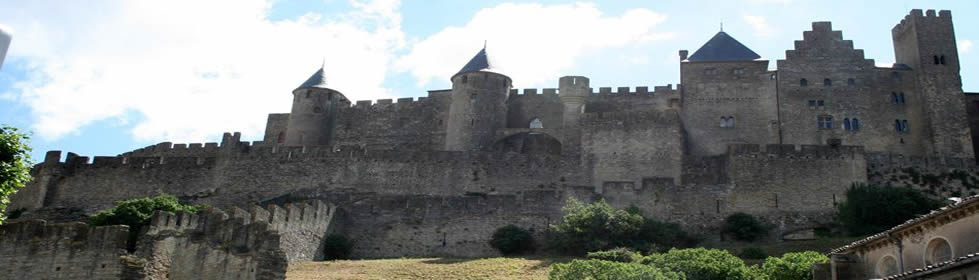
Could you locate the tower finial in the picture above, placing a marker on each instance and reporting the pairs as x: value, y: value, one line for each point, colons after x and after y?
x: 484, y: 44
x: 323, y: 63
x: 722, y: 25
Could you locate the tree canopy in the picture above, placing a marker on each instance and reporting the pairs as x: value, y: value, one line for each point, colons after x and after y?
x: 15, y: 164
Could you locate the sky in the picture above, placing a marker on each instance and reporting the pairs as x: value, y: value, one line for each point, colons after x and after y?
x: 103, y: 77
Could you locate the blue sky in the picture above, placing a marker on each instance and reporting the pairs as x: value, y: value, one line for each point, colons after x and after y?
x: 103, y: 77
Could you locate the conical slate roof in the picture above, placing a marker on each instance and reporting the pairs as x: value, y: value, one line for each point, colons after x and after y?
x: 478, y: 63
x: 723, y: 47
x: 317, y: 80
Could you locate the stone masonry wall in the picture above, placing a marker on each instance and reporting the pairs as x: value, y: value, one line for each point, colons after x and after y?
x: 37, y: 250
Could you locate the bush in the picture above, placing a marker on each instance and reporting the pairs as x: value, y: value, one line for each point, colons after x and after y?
x: 792, y: 265
x: 511, y: 239
x: 702, y: 264
x: 608, y: 270
x: 616, y: 255
x: 593, y: 227
x: 658, y: 236
x: 137, y: 212
x: 337, y: 247
x: 744, y: 227
x: 871, y: 208
x: 15, y: 164
x: 753, y: 253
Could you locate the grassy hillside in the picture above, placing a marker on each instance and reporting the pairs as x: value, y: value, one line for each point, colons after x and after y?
x: 431, y: 268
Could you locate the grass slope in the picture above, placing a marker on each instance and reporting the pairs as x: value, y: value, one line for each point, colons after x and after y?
x: 429, y: 268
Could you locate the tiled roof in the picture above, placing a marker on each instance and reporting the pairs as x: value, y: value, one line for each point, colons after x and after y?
x: 964, y: 202
x: 479, y: 63
x: 723, y: 47
x: 935, y: 268
x: 317, y: 80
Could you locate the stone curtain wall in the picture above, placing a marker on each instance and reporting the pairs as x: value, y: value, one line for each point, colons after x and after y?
x: 37, y: 250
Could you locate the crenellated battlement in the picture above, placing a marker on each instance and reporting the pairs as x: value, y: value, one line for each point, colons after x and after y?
x: 601, y: 91
x: 629, y: 117
x: 883, y: 161
x: 74, y: 236
x: 291, y: 217
x: 916, y: 16
x: 796, y: 152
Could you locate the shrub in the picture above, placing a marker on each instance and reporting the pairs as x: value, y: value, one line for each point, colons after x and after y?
x: 872, y: 208
x: 663, y: 235
x: 702, y: 264
x: 337, y: 247
x: 616, y: 255
x: 15, y: 164
x: 792, y: 265
x: 137, y: 212
x: 744, y: 227
x: 753, y: 253
x: 608, y: 270
x: 511, y: 239
x: 593, y: 227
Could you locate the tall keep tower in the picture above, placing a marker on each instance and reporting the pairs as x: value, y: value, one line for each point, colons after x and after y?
x: 478, y: 105
x: 314, y: 112
x: 926, y: 43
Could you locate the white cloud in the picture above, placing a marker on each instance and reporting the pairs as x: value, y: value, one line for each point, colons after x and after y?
x: 759, y: 25
x: 531, y: 43
x: 190, y: 69
x: 964, y: 46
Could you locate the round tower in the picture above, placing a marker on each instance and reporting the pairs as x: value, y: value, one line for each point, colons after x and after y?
x: 314, y: 112
x: 478, y: 105
x: 573, y: 91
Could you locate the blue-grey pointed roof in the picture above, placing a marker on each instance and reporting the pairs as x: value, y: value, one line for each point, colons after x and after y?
x: 723, y: 47
x: 317, y: 80
x: 480, y: 62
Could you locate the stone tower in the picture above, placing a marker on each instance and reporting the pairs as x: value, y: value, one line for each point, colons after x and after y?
x: 926, y: 43
x: 314, y: 112
x: 728, y: 97
x: 478, y: 107
x: 574, y: 90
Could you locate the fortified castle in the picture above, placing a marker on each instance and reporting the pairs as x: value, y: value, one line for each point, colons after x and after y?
x: 436, y: 175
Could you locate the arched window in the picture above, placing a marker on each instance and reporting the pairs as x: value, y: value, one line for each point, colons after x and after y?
x: 730, y: 121
x: 894, y: 97
x: 851, y: 82
x: 942, y: 59
x: 827, y: 82
x: 846, y: 124
x: 282, y: 137
x: 723, y: 121
x: 886, y: 266
x: 900, y: 98
x: 938, y: 251
x: 855, y: 123
x: 904, y: 125
x: 936, y: 60
x: 803, y: 83
x: 897, y: 125
x: 536, y: 123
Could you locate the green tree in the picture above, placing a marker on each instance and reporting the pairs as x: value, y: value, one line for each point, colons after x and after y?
x: 137, y: 212
x: 702, y: 264
x: 596, y: 226
x: 744, y: 227
x: 796, y: 265
x: 15, y: 164
x: 609, y: 270
x: 511, y: 239
x: 872, y: 208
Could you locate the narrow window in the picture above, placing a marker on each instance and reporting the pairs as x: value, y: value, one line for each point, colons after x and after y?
x: 904, y: 125
x: 942, y: 59
x: 465, y: 79
x: 827, y: 82
x: 894, y: 97
x: 900, y: 98
x: 803, y: 83
x: 855, y: 123
x: 897, y: 125
x: 936, y: 60
x: 730, y: 121
x: 812, y: 104
x: 723, y: 122
x: 819, y: 103
x: 846, y: 124
x: 536, y: 123
x: 851, y: 82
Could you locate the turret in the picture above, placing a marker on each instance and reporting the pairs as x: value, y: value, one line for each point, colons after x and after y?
x: 478, y: 105
x: 314, y: 112
x: 574, y: 90
x: 926, y: 43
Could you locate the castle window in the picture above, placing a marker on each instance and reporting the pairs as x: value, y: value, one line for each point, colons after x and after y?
x: 803, y: 83
x: 812, y: 104
x: 819, y: 103
x: 536, y: 123
x: 936, y: 60
x: 710, y: 71
x: 904, y: 125
x: 723, y: 121
x: 727, y: 122
x: 896, y: 76
x: 900, y: 98
x: 894, y: 98
x: 942, y: 59
x: 846, y: 124
x: 827, y: 82
x: 738, y: 71
x: 825, y: 122
x: 886, y: 266
x: 901, y: 125
x: 465, y: 79
x: 772, y: 77
x: 851, y: 82
x: 855, y: 124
